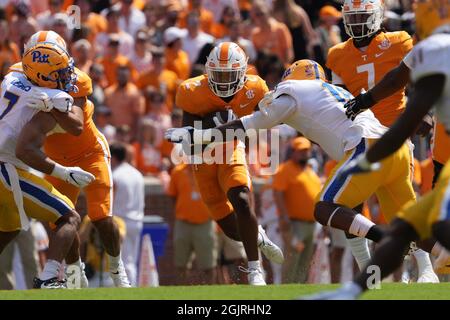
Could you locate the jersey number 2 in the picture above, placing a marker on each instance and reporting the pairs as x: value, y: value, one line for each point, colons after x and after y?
x: 370, y: 69
x: 12, y: 98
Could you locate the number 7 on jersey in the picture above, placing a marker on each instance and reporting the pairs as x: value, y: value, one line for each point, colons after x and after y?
x: 370, y: 69
x: 12, y: 98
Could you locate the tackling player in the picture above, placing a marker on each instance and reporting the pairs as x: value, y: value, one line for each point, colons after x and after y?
x: 90, y: 151
x: 23, y: 129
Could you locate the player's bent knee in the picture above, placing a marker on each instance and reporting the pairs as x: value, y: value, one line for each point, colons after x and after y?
x: 239, y: 198
x: 322, y: 212
x: 441, y: 231
x: 72, y: 218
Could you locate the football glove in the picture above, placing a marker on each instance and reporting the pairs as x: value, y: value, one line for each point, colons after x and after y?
x: 218, y: 120
x: 40, y: 100
x: 73, y: 175
x: 358, y: 104
x: 188, y: 135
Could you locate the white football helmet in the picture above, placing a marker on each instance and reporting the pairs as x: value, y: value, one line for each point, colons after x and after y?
x: 362, y: 18
x: 226, y: 67
x: 45, y: 36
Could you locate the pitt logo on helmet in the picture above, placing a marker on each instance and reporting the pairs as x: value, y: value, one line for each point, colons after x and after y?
x: 49, y: 65
x: 37, y: 56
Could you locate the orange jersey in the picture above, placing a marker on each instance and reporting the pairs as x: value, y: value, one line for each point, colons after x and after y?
x: 440, y: 144
x: 195, y: 96
x: 299, y: 185
x: 359, y: 70
x: 70, y: 148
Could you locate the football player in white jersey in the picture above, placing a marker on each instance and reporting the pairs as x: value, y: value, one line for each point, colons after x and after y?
x: 306, y: 102
x: 48, y: 72
x: 430, y: 215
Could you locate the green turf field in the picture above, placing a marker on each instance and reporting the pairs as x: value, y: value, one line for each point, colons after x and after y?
x: 284, y: 292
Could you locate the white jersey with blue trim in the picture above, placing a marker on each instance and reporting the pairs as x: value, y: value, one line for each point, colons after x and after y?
x: 316, y: 109
x: 15, y: 114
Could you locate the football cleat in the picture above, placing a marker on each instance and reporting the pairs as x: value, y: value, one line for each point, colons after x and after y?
x: 254, y: 275
x: 428, y: 277
x: 52, y: 283
x: 120, y: 277
x: 270, y: 249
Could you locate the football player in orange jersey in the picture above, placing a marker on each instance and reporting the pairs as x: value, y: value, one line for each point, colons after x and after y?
x: 90, y: 151
x: 226, y: 187
x: 362, y: 61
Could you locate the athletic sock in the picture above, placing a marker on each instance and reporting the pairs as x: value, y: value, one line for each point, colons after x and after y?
x: 360, y: 251
x: 51, y: 270
x: 114, y: 263
x: 254, y: 264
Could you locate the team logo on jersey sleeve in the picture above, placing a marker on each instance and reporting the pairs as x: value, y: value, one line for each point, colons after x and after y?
x: 385, y: 44
x: 250, y: 94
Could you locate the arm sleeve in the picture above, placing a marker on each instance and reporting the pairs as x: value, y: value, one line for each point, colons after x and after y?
x: 279, y: 110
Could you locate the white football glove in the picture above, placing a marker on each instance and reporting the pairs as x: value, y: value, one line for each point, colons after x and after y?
x: 265, y: 102
x: 39, y: 100
x: 73, y: 175
x: 218, y: 120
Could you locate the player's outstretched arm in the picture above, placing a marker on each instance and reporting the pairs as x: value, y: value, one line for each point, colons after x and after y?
x: 72, y: 121
x: 427, y: 91
x: 271, y: 114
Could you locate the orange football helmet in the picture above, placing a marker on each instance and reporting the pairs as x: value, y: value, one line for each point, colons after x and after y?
x: 304, y: 70
x: 430, y: 15
x: 226, y: 67
x: 49, y: 65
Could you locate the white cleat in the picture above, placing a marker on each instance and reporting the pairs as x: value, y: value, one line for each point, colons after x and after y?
x: 72, y: 282
x: 120, y: 277
x: 84, y: 282
x: 348, y: 291
x: 255, y: 276
x: 428, y: 277
x: 270, y: 249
